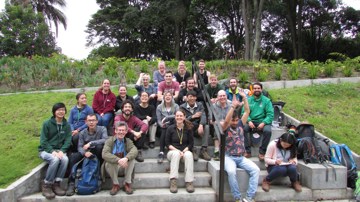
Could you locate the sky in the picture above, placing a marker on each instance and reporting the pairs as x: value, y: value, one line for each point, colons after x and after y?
x: 78, y: 12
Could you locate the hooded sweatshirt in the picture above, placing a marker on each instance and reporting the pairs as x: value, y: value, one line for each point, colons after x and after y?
x: 104, y: 103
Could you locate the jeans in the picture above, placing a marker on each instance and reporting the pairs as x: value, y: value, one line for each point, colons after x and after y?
x: 281, y: 171
x: 233, y: 162
x: 266, y: 136
x: 104, y: 120
x: 57, y: 167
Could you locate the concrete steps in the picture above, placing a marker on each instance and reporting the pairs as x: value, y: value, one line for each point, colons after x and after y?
x: 140, y: 195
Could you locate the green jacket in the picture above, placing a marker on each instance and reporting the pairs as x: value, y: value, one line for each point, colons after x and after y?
x: 261, y: 110
x: 54, y: 136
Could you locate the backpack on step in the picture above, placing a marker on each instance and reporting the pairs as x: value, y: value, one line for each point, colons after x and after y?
x: 342, y: 155
x: 305, y: 130
x: 311, y: 151
x: 357, y: 188
x: 87, y: 179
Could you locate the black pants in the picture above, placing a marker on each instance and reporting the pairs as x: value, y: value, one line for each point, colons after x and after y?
x: 139, y: 143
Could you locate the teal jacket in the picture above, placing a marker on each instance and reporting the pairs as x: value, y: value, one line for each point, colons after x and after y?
x: 54, y: 136
x: 261, y: 110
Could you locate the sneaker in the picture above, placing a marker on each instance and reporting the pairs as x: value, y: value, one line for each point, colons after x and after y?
x: 204, y: 154
x: 115, y: 189
x: 47, y: 191
x: 128, y: 189
x: 139, y: 157
x: 261, y: 157
x: 71, y: 189
x: 216, y: 156
x: 265, y: 185
x: 189, y: 187
x: 296, y: 185
x: 161, y: 157
x: 195, y: 154
x: 58, y: 190
x: 247, y: 155
x: 173, y: 185
x: 152, y: 145
x: 248, y: 199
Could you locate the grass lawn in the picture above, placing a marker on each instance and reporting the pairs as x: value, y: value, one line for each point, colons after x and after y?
x: 333, y: 109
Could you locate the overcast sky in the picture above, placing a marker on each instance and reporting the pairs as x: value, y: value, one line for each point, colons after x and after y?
x: 78, y: 12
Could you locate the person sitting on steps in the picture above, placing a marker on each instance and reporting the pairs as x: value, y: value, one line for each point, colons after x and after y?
x: 281, y: 161
x: 195, y: 113
x: 119, y: 153
x: 180, y: 141
x: 233, y: 128
x: 55, y: 140
x: 91, y: 142
x: 137, y: 129
x: 260, y: 118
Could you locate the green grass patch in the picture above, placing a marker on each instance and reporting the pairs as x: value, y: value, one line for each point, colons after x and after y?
x: 333, y: 109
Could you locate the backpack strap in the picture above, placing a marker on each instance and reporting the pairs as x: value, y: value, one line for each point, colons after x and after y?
x: 75, y: 167
x: 348, y: 151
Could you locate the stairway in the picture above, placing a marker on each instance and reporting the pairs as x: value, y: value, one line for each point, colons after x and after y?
x: 151, y: 182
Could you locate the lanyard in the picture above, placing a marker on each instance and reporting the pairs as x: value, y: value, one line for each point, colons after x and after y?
x: 283, y: 154
x: 182, y: 134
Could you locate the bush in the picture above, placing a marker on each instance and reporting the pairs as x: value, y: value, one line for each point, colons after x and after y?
x: 262, y: 74
x: 314, y: 70
x: 330, y: 67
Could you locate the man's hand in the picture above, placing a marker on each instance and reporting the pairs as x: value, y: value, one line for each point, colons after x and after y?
x: 201, y: 130
x: 137, y: 134
x: 88, y: 154
x: 251, y: 125
x: 86, y: 146
x: 261, y: 126
x: 196, y: 115
x: 74, y: 132
x: 123, y: 162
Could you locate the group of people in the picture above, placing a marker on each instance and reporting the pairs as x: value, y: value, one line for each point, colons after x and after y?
x: 114, y: 130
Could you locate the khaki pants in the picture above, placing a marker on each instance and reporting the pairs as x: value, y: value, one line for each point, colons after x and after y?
x: 113, y: 170
x: 152, y: 130
x: 174, y: 158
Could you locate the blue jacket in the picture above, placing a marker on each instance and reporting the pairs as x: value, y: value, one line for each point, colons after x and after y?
x: 77, y: 118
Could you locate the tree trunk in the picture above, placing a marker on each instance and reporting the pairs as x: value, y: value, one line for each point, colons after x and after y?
x: 177, y: 41
x: 257, y: 42
x: 247, y: 31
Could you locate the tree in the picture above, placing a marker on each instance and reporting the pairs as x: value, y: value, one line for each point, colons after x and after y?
x: 49, y: 9
x: 25, y: 33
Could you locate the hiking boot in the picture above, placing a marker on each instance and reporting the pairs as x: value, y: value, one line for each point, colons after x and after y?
x: 139, y: 157
x: 296, y: 185
x: 152, y: 145
x: 173, y: 185
x: 189, y: 187
x: 115, y: 189
x: 204, y: 154
x: 71, y: 189
x: 247, y: 155
x: 216, y: 156
x: 195, y: 154
x: 58, y: 190
x: 160, y: 157
x: 265, y: 185
x: 128, y: 189
x: 261, y: 157
x: 47, y: 191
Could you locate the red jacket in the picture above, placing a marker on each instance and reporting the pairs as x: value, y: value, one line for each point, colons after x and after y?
x: 133, y: 123
x: 103, y: 103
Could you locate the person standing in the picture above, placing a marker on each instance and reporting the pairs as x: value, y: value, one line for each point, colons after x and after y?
x: 180, y: 141
x: 235, y: 150
x: 260, y: 118
x: 91, y: 142
x: 55, y: 140
x: 119, y: 154
x: 104, y: 103
x: 203, y: 73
